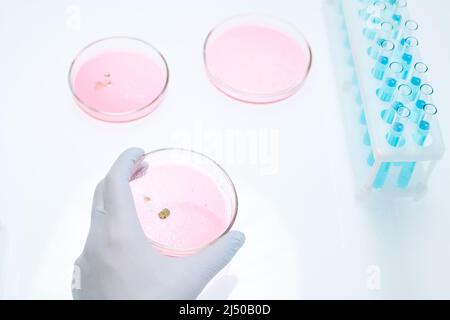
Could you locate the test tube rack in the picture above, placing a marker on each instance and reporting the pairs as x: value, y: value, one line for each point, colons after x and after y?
x: 402, y: 136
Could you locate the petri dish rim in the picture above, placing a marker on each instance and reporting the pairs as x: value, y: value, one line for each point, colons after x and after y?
x: 181, y: 253
x: 282, y: 94
x: 121, y: 114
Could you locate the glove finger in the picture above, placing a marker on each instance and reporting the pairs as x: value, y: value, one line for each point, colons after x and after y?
x: 118, y: 199
x: 97, y: 201
x: 207, y: 263
x: 97, y: 230
x: 123, y: 221
x: 98, y: 215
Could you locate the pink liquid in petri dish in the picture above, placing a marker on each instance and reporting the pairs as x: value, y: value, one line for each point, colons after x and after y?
x: 257, y: 60
x: 118, y: 84
x: 199, y: 212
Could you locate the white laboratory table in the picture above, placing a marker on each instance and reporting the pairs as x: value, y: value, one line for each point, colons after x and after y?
x: 308, y: 236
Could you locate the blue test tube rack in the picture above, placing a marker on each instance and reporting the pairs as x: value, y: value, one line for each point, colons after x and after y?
x: 400, y: 155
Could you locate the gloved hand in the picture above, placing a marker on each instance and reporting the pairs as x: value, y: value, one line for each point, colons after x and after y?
x: 118, y: 261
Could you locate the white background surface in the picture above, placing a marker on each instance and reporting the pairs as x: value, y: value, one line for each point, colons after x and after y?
x: 307, y: 235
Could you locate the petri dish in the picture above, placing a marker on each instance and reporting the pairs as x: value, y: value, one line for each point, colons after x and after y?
x: 185, y: 201
x: 256, y: 58
x: 118, y: 79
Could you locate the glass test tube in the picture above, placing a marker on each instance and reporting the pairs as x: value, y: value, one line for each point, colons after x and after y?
x: 402, y: 99
x: 395, y: 134
x: 372, y: 27
x: 382, y: 175
x: 389, y: 115
x: 420, y: 137
x: 417, y: 77
x: 425, y: 93
x: 423, y: 129
x: 384, y: 33
x: 408, y: 29
x: 399, y: 5
x: 423, y: 98
x: 373, y: 9
x: 394, y: 139
x: 387, y: 91
x: 410, y: 45
x: 406, y: 46
x: 385, y: 54
x: 398, y: 14
x: 364, y: 12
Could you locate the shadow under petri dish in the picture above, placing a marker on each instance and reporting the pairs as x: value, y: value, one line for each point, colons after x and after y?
x: 257, y: 59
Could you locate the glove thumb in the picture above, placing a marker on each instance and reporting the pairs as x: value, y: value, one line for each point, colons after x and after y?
x: 214, y: 258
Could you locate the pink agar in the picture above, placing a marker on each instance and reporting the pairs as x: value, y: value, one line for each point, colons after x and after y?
x: 119, y: 83
x: 199, y: 211
x: 257, y: 60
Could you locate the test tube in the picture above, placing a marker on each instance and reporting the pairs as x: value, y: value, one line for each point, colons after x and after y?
x: 384, y: 33
x: 373, y: 9
x: 426, y: 92
x: 380, y: 68
x: 417, y: 111
x: 382, y: 175
x: 394, y: 138
x: 410, y: 45
x: 429, y: 113
x: 387, y: 91
x: 395, y: 134
x: 406, y: 173
x: 387, y: 49
x: 408, y: 29
x: 420, y: 137
x: 364, y: 13
x: 399, y: 6
x: 424, y: 97
x: 419, y: 71
x: 402, y: 99
x: 372, y: 27
x: 398, y: 14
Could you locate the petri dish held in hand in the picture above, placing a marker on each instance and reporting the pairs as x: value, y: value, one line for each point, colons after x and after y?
x: 185, y: 201
x: 256, y: 58
x: 118, y: 79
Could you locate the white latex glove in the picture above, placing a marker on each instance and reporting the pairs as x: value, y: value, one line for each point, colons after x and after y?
x: 118, y: 261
